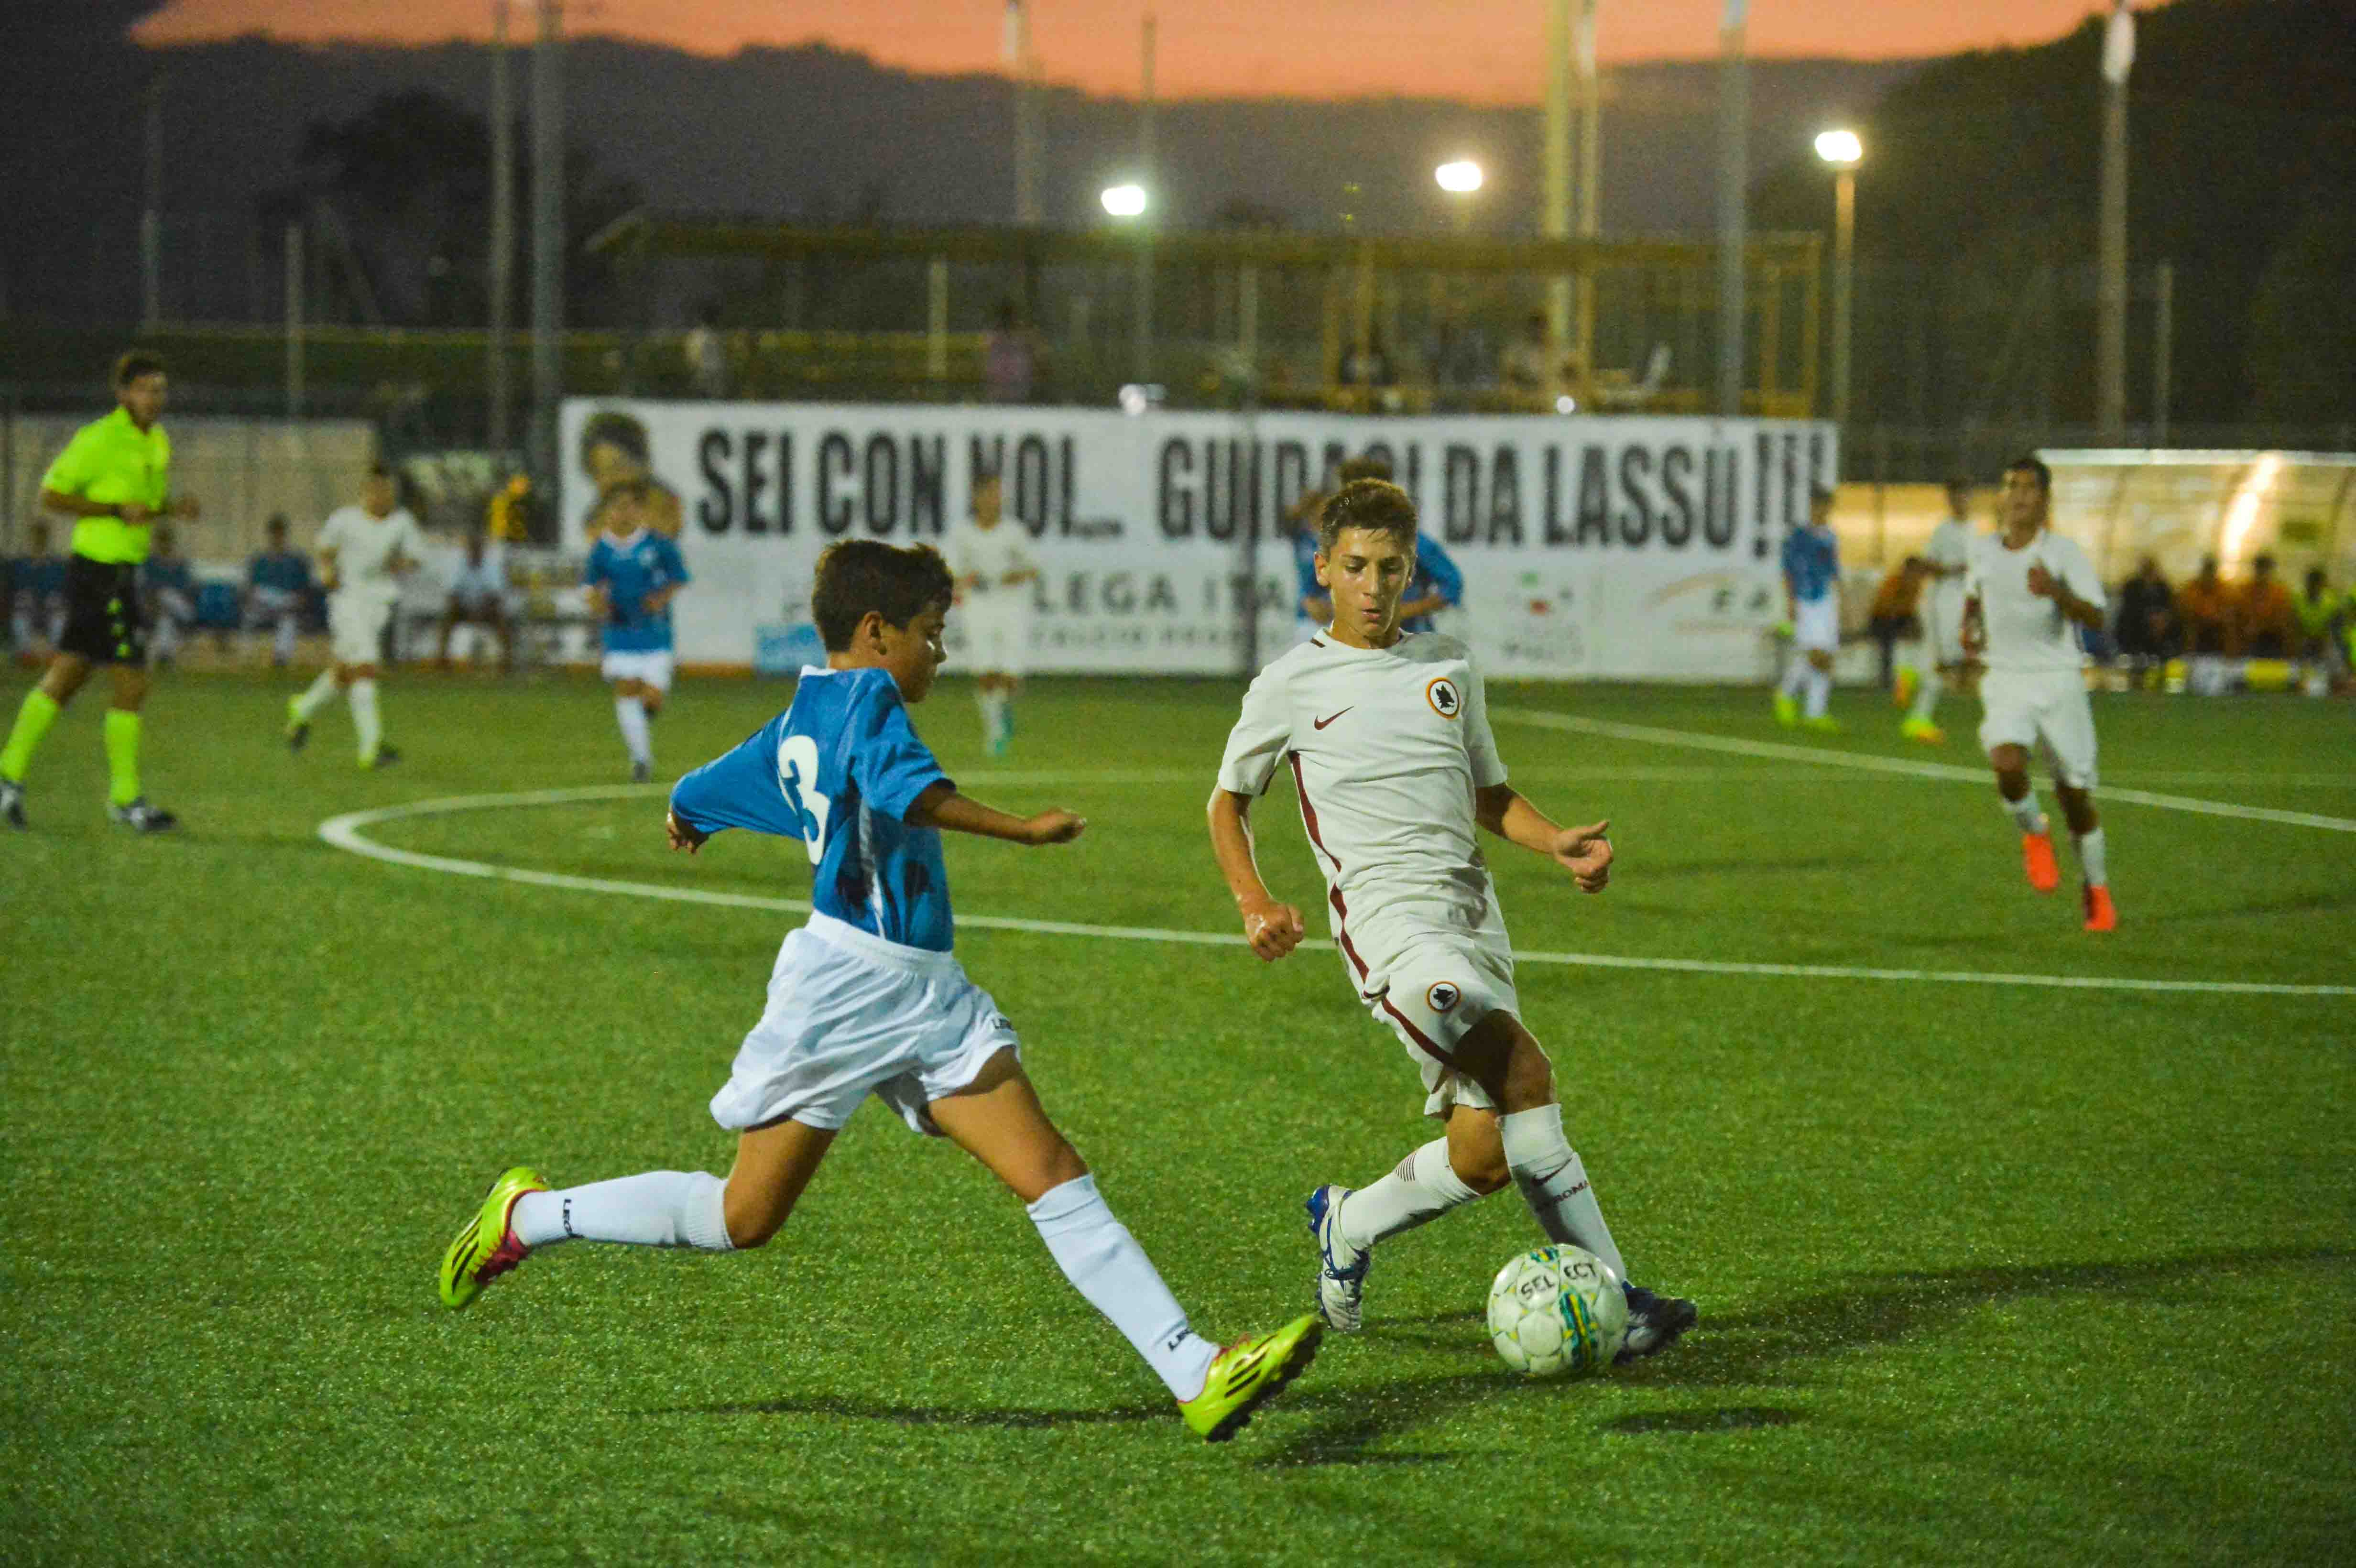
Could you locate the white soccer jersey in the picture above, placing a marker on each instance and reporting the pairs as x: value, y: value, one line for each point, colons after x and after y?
x: 1387, y: 746
x: 994, y: 555
x: 2027, y: 632
x: 366, y: 547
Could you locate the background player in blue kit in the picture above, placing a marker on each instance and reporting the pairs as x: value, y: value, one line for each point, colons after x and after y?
x: 868, y: 999
x: 632, y: 575
x: 1811, y: 599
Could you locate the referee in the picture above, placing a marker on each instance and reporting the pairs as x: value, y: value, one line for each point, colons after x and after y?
x: 114, y: 480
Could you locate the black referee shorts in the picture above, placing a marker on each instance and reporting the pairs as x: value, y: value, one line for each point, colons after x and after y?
x: 104, y: 621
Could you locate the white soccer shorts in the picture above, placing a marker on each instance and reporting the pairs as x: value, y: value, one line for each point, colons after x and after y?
x: 652, y: 667
x: 355, y: 625
x: 1423, y: 970
x: 1816, y: 624
x: 851, y: 1015
x: 997, y: 638
x: 2047, y: 708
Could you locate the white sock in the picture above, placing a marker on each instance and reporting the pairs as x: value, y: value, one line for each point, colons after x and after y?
x: 1105, y: 1263
x: 1820, y: 692
x: 1554, y: 1183
x: 1795, y: 672
x: 660, y: 1209
x: 630, y: 712
x: 1423, y: 1188
x: 322, y: 692
x: 993, y: 715
x: 2027, y: 813
x: 281, y: 640
x: 2091, y: 860
x: 364, y: 717
x: 1926, y: 699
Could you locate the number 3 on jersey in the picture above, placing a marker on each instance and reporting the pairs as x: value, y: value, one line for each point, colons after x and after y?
x: 798, y: 778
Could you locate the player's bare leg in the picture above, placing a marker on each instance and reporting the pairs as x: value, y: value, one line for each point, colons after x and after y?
x: 998, y: 1119
x: 2037, y: 858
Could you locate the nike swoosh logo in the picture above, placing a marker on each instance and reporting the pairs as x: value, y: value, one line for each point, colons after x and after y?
x: 1322, y: 722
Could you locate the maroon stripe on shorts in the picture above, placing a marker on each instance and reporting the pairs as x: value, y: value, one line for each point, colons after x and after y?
x: 1429, y: 1045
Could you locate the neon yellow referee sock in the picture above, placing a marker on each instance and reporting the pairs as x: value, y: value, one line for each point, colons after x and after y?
x: 121, y: 756
x: 33, y: 722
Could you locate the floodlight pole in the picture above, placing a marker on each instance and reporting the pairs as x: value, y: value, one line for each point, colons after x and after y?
x: 502, y: 241
x: 2111, y: 283
x: 1733, y: 165
x: 1844, y: 284
x: 547, y: 237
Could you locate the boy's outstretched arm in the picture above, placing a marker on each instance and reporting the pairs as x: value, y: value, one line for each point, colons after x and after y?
x: 741, y: 788
x: 1584, y: 852
x: 1273, y: 929
x: 941, y: 806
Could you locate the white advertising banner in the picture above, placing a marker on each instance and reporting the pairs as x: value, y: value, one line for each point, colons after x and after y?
x: 1606, y: 548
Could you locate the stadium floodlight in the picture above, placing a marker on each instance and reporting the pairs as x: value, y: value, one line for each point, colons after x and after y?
x: 1124, y: 201
x: 1459, y: 177
x: 1842, y: 149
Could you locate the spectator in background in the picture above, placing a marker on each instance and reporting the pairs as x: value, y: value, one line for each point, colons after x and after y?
x: 1368, y: 365
x: 37, y: 603
x: 1893, y: 620
x: 478, y: 597
x: 1008, y: 359
x: 2146, y: 630
x: 2204, y: 612
x: 277, y: 591
x: 2322, y: 615
x: 707, y: 355
x: 2266, y: 621
x: 169, y: 585
x: 1526, y: 366
x: 508, y: 517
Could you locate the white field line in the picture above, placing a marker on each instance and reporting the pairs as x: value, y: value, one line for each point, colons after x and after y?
x: 1694, y: 740
x: 344, y: 832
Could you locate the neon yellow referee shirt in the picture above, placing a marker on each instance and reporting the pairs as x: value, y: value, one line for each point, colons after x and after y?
x: 111, y: 460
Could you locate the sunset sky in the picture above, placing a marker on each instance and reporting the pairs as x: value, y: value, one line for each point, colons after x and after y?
x: 1481, y: 50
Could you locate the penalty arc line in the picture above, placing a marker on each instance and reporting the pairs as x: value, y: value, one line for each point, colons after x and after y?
x: 344, y: 832
x: 1695, y: 740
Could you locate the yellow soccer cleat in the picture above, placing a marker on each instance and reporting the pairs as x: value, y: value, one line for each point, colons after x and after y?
x: 1787, y: 710
x: 1923, y: 729
x: 485, y: 1246
x: 1247, y: 1374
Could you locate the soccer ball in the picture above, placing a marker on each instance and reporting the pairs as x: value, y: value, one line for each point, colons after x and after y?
x: 1558, y: 1312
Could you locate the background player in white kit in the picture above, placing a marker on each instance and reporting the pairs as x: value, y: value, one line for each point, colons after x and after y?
x: 993, y: 574
x: 363, y: 552
x: 2029, y: 589
x: 1388, y: 737
x: 1947, y: 557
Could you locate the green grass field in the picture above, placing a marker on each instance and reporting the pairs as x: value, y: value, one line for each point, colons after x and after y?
x: 1988, y: 1271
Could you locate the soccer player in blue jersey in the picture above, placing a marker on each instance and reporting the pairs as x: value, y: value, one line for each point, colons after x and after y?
x: 632, y: 575
x: 868, y: 999
x: 1812, y: 600
x: 277, y: 584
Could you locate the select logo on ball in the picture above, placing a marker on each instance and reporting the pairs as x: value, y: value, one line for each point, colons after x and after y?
x: 1445, y: 700
x: 1441, y: 996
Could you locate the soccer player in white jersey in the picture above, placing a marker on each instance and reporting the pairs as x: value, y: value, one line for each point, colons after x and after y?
x: 1387, y: 737
x: 1947, y: 559
x: 363, y: 552
x: 993, y: 574
x: 2028, y: 590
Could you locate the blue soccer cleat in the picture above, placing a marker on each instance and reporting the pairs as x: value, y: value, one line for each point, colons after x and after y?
x: 1654, y: 1323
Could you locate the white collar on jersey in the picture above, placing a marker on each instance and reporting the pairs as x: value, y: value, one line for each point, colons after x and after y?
x: 630, y: 540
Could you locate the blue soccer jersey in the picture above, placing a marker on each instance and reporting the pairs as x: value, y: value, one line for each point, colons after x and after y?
x: 633, y: 569
x: 1434, y: 572
x: 839, y: 771
x: 1810, y: 563
x: 286, y: 570
x: 1304, y: 570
